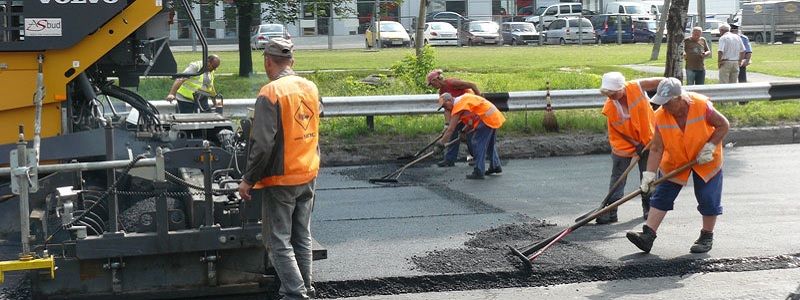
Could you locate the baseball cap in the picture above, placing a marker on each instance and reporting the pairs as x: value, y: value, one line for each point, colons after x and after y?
x: 667, y: 89
x: 612, y: 81
x: 433, y: 75
x: 444, y: 97
x: 279, y: 47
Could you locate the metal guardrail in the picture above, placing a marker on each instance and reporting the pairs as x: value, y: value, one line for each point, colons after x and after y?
x: 517, y: 101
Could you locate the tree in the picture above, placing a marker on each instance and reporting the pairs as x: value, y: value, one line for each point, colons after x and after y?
x: 676, y: 20
x: 277, y: 11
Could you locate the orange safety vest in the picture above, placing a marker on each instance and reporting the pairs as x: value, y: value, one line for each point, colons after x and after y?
x: 479, y: 109
x: 298, y: 149
x: 682, y: 146
x: 636, y: 126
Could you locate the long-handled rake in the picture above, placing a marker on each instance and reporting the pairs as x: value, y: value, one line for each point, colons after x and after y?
x: 620, y: 180
x: 392, y: 177
x: 528, y: 253
x: 418, y: 153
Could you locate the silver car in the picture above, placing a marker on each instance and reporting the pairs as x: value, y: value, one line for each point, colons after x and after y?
x: 518, y: 33
x: 570, y: 31
x: 264, y: 32
x: 480, y: 33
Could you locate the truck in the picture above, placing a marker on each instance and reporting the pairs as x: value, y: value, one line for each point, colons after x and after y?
x: 139, y: 204
x: 765, y: 22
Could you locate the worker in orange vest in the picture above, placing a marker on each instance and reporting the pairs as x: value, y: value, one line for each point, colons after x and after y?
x: 687, y: 128
x: 629, y: 118
x: 455, y: 87
x: 483, y: 119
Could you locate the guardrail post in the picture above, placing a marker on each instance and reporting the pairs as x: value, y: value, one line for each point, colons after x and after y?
x: 371, y: 123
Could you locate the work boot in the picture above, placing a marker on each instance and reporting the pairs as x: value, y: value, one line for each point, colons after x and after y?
x: 475, y: 175
x: 606, y: 218
x: 446, y: 163
x: 470, y: 160
x: 495, y: 170
x: 703, y: 243
x: 643, y: 240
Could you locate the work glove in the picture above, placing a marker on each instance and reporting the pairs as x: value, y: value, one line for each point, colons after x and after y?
x: 438, y: 149
x: 647, y: 179
x: 706, y: 154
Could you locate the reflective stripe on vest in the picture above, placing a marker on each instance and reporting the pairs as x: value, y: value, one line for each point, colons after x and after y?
x: 195, y: 83
x: 297, y: 100
x: 682, y: 146
x: 639, y: 112
x: 485, y: 110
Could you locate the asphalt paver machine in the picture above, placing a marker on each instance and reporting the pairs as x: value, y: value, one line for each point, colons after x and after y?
x: 109, y: 203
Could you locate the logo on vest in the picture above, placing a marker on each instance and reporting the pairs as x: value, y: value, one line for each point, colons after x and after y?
x: 303, y: 115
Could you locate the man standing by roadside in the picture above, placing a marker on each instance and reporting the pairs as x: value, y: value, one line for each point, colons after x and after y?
x: 455, y: 87
x: 688, y: 128
x: 282, y: 166
x: 193, y: 93
x: 730, y: 54
x: 748, y: 52
x: 630, y: 128
x: 485, y: 119
x: 696, y: 51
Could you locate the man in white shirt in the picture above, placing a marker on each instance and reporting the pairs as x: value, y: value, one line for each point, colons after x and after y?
x: 730, y: 55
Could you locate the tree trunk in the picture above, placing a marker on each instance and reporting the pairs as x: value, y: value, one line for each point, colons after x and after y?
x: 675, y: 23
x: 662, y: 20
x: 245, y: 9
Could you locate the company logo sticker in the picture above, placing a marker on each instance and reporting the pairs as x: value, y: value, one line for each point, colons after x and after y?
x: 43, y: 26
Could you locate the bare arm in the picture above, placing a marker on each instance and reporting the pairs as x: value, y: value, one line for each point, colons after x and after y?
x: 174, y: 89
x: 721, y: 126
x: 451, y: 127
x: 463, y: 85
x: 656, y: 151
x: 650, y: 84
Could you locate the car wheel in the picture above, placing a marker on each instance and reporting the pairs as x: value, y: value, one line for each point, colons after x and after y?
x: 470, y: 43
x: 366, y: 43
x: 562, y: 42
x: 425, y: 42
x: 598, y: 40
x: 514, y: 42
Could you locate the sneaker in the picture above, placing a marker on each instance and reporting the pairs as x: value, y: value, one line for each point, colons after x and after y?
x: 607, y: 218
x: 496, y: 170
x: 446, y: 163
x: 643, y: 240
x: 470, y: 161
x: 475, y: 175
x: 703, y: 243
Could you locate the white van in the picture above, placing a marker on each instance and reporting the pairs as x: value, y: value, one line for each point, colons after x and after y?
x: 655, y: 7
x: 551, y: 13
x: 638, y: 10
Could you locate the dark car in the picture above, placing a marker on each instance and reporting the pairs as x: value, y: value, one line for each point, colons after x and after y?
x: 447, y: 16
x: 645, y: 31
x: 605, y: 28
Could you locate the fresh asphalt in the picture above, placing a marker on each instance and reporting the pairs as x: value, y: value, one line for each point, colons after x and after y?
x: 376, y: 233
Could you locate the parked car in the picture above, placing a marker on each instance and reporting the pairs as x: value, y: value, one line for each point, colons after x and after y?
x: 391, y: 34
x: 518, y: 33
x: 264, y: 32
x: 570, y: 31
x: 545, y: 15
x: 440, y: 33
x: 639, y: 11
x: 480, y: 33
x: 645, y: 31
x: 448, y: 17
x: 605, y: 28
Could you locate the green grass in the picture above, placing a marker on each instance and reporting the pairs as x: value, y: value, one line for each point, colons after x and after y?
x: 494, y: 69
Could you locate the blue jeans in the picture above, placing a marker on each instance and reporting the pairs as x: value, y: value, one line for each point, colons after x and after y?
x: 695, y: 77
x: 452, y: 151
x: 483, y: 143
x: 708, y: 194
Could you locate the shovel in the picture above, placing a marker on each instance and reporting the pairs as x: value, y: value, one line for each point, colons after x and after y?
x: 528, y: 253
x: 407, y: 157
x: 392, y: 177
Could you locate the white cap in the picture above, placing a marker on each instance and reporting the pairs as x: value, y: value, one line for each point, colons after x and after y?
x: 667, y: 89
x: 613, y: 81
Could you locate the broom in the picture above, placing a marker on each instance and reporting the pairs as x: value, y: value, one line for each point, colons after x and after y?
x: 550, y: 122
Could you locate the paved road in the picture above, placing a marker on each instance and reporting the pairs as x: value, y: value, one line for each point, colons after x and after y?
x: 375, y: 232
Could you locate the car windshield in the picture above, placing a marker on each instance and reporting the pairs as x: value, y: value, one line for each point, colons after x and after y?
x: 443, y: 26
x: 522, y: 27
x: 583, y: 23
x: 711, y: 25
x: 540, y: 11
x: 633, y: 9
x: 392, y: 27
x: 483, y: 27
x: 270, y: 28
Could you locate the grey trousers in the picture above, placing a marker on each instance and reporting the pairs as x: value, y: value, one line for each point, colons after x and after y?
x: 286, y: 232
x: 619, y: 165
